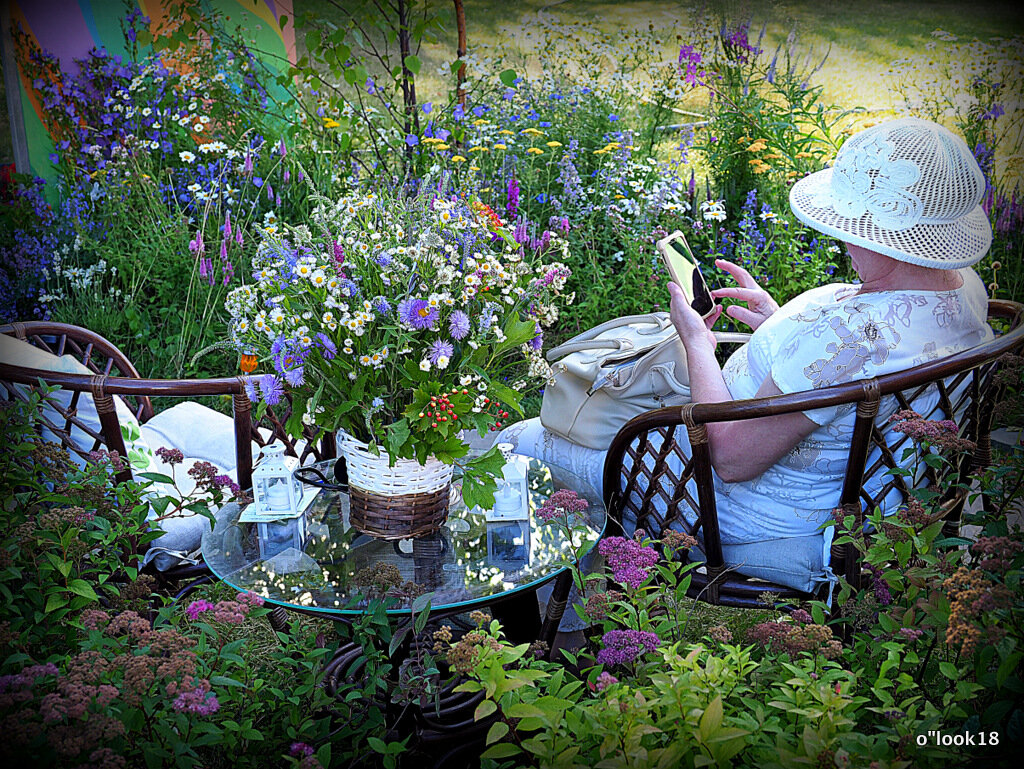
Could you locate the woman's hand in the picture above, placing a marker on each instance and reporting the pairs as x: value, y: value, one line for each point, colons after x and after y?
x: 760, y: 305
x: 692, y: 327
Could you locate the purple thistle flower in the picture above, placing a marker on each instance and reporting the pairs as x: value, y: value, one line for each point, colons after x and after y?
x: 625, y: 646
x: 458, y: 325
x: 250, y: 391
x: 438, y: 349
x: 271, y: 389
x: 417, y: 313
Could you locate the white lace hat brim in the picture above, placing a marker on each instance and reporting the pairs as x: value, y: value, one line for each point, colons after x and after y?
x: 948, y: 245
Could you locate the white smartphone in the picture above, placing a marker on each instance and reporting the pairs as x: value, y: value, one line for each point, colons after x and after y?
x: 683, y: 268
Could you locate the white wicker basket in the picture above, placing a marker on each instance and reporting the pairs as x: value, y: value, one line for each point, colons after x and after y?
x: 372, y: 473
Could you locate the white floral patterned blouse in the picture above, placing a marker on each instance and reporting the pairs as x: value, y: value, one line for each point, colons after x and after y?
x: 825, y: 336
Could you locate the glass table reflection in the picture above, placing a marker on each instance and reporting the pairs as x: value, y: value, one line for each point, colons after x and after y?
x: 468, y: 563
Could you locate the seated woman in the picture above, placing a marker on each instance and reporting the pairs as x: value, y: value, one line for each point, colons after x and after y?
x: 904, y: 197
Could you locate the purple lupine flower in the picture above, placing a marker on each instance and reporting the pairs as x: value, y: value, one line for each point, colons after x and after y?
x: 458, y: 325
x: 238, y: 236
x: 227, y: 226
x: 521, y: 233
x: 196, y: 246
x: 198, y: 607
x: 512, y: 198
x: 286, y: 176
x: 625, y: 646
x: 439, y: 349
x: 281, y: 149
x: 271, y: 389
x: 629, y: 561
x: 417, y: 313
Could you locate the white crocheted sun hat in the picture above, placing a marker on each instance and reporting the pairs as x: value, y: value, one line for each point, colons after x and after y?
x: 906, y: 188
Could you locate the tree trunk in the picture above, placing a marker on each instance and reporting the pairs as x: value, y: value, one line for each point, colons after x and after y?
x: 460, y: 25
x: 411, y: 121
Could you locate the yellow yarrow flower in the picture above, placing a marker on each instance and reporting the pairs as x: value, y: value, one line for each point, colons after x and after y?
x: 441, y: 146
x: 499, y: 146
x: 506, y: 132
x: 331, y: 123
x: 804, y: 155
x: 481, y: 121
x: 479, y: 148
x: 554, y: 144
x: 458, y: 159
x: 535, y: 151
x: 532, y: 132
x: 756, y: 146
x: 474, y: 168
x: 431, y: 140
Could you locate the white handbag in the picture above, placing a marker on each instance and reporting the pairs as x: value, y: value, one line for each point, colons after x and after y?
x: 604, y: 377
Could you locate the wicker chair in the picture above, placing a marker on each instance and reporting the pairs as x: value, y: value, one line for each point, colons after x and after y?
x: 114, y: 376
x: 639, y: 480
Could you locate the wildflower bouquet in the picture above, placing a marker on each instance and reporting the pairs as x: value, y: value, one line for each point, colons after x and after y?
x: 397, y: 319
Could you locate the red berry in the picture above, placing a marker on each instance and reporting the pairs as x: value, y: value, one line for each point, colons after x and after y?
x: 455, y: 416
x: 433, y: 424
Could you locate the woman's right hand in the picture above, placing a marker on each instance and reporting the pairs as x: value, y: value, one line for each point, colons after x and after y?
x: 760, y: 305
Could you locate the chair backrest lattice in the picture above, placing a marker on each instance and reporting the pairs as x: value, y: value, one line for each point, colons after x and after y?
x: 654, y: 476
x: 112, y: 375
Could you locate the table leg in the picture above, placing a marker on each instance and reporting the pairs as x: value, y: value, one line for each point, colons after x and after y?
x: 556, y: 607
x: 519, y: 617
x: 278, y: 618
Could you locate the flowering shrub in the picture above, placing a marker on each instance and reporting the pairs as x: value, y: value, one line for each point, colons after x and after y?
x: 422, y: 299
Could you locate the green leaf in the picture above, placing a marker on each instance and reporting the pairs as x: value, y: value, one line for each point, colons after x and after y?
x: 413, y: 64
x: 711, y: 719
x: 226, y: 681
x: 502, y: 749
x: 82, y: 588
x: 948, y: 669
x: 54, y: 602
x: 485, y: 709
x: 508, y: 77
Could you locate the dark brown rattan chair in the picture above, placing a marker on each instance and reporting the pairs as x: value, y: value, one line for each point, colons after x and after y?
x: 637, y: 474
x: 115, y: 377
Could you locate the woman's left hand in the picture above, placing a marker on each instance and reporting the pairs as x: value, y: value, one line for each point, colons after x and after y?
x: 692, y: 327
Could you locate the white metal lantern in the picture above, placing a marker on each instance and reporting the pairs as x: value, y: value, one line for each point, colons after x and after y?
x: 512, y: 499
x: 277, y: 536
x: 276, y: 490
x: 508, y: 545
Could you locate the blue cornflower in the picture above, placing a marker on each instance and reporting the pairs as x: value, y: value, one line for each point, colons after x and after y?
x: 613, y: 117
x: 295, y: 377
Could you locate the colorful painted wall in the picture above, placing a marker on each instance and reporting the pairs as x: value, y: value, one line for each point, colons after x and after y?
x: 70, y: 28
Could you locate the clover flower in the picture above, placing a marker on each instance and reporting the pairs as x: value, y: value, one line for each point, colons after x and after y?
x: 629, y: 561
x: 625, y: 646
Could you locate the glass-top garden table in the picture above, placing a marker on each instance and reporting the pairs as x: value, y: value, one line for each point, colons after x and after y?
x: 470, y: 563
